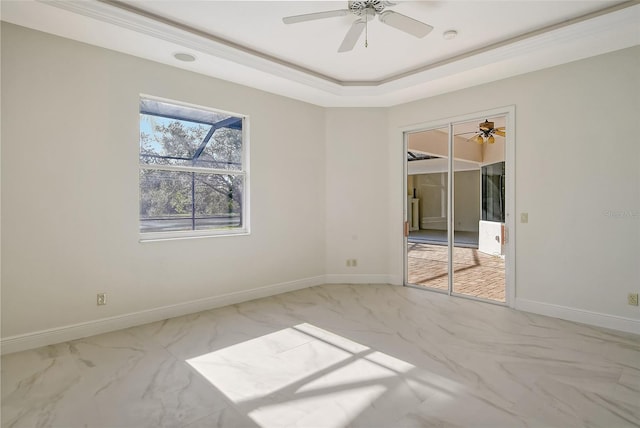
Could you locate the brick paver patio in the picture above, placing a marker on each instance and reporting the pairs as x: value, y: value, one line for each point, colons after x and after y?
x: 475, y: 273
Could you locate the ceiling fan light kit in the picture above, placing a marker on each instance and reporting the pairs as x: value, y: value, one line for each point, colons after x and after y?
x: 481, y: 139
x: 366, y: 10
x: 486, y: 132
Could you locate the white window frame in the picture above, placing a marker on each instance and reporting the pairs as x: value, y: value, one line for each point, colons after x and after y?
x: 190, y: 234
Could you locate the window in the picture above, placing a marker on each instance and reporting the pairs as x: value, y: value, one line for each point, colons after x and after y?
x: 193, y: 171
x: 493, y: 192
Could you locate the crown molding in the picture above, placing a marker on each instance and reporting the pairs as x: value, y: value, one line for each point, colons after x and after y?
x: 126, y: 16
x: 610, y: 29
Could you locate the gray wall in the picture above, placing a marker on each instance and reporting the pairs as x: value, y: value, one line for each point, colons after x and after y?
x: 326, y: 185
x: 70, y: 193
x: 577, y: 175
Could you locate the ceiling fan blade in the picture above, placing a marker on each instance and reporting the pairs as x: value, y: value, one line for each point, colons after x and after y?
x: 500, y: 132
x: 405, y: 23
x: 352, y: 36
x: 477, y: 139
x: 313, y: 16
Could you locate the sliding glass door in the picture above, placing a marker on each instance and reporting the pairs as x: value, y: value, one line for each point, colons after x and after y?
x: 456, y: 208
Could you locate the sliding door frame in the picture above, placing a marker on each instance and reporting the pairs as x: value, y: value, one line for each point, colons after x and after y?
x: 510, y: 266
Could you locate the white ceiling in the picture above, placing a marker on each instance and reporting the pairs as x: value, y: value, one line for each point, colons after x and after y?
x: 247, y: 42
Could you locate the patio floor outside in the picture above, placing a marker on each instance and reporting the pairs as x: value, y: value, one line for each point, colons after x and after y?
x: 475, y: 273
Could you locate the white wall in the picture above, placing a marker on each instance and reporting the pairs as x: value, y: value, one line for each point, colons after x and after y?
x: 357, y: 194
x: 577, y: 175
x: 327, y: 185
x: 70, y: 188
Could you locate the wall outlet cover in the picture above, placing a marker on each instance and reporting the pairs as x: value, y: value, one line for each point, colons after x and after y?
x: 101, y: 299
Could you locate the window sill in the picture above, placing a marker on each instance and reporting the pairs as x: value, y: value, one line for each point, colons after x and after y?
x: 174, y: 236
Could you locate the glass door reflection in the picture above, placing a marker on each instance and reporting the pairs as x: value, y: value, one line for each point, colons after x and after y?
x: 427, y: 208
x: 478, y: 207
x: 456, y: 209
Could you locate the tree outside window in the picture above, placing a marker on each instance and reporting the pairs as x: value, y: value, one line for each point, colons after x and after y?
x: 192, y: 170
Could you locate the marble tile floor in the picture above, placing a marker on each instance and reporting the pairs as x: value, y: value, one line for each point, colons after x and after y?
x: 475, y: 273
x: 334, y: 356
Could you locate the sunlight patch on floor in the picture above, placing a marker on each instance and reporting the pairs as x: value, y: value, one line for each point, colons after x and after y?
x: 303, y: 375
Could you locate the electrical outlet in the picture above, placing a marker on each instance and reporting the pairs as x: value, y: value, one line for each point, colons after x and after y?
x: 632, y: 299
x: 102, y: 299
x: 352, y: 262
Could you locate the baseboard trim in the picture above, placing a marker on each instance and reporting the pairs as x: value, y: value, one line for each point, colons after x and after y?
x: 37, y: 339
x: 396, y: 280
x: 358, y: 279
x: 614, y: 322
x: 77, y: 331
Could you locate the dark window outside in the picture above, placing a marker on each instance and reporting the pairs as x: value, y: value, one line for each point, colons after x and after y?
x: 493, y: 192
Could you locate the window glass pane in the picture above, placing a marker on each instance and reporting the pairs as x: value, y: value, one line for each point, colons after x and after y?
x: 218, y: 201
x: 176, y: 200
x: 182, y: 136
x: 192, y: 174
x: 165, y: 201
x: 224, y: 151
x: 169, y: 142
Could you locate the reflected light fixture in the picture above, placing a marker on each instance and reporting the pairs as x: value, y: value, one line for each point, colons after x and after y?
x: 486, y: 131
x: 481, y: 139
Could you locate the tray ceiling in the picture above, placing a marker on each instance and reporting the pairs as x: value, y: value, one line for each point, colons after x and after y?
x: 247, y: 42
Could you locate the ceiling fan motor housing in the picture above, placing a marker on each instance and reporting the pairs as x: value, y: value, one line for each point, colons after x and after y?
x: 486, y: 126
x: 361, y: 7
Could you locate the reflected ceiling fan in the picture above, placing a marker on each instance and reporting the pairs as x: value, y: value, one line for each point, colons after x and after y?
x: 486, y: 132
x: 365, y: 11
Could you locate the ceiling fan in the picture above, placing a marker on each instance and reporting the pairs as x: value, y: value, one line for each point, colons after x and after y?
x: 486, y: 132
x: 366, y: 10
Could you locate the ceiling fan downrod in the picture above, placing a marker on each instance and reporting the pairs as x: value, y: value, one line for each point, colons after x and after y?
x: 367, y: 10
x: 366, y: 33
